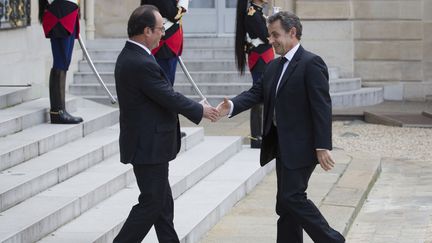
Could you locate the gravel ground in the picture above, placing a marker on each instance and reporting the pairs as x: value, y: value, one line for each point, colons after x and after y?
x: 392, y: 142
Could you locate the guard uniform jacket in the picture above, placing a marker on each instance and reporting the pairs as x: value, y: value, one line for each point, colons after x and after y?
x: 171, y: 44
x: 258, y: 56
x: 61, y: 19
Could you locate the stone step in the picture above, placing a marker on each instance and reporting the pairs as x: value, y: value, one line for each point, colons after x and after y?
x: 191, y: 65
x: 198, y: 76
x: 25, y: 115
x: 344, y: 84
x: 227, y: 88
x: 33, y: 176
x: 37, y: 140
x: 212, y: 99
x: 10, y: 96
x: 27, y: 179
x: 64, y: 202
x: 204, y: 53
x: 196, y: 208
x: 361, y: 97
x: 189, y: 43
x: 204, y: 65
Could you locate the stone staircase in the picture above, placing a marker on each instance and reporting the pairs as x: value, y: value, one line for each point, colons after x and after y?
x: 64, y: 183
x: 211, y: 64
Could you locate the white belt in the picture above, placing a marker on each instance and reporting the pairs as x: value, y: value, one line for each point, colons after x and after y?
x: 167, y: 24
x: 72, y: 1
x: 255, y: 42
x: 184, y: 4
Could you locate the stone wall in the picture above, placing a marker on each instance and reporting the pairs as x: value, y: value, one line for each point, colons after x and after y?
x: 391, y: 41
x: 427, y: 48
x: 388, y: 38
x: 25, y: 54
x: 328, y: 31
x: 111, y: 17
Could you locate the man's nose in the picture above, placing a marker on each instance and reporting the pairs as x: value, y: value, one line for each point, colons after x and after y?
x: 271, y: 40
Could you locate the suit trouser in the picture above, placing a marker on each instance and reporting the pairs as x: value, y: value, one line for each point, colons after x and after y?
x: 296, y: 212
x: 61, y: 49
x: 155, y: 207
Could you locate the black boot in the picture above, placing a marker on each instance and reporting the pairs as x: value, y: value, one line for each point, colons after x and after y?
x: 58, y: 113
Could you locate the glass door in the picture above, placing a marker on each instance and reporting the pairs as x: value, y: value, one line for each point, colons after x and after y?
x: 210, y: 17
x: 227, y: 16
x: 201, y: 17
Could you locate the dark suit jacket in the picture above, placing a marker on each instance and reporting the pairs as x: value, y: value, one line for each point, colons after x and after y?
x: 302, y: 107
x: 149, y: 108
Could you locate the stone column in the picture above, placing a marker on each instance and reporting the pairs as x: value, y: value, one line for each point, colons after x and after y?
x: 90, y: 16
x: 112, y: 16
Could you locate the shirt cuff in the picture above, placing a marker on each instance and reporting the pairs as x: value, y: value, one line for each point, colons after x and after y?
x: 231, y: 108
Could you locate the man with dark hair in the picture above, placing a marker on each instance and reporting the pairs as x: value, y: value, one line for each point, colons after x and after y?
x: 149, y: 126
x: 297, y: 128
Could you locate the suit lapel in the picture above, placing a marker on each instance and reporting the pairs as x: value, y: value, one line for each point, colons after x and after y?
x: 290, y: 69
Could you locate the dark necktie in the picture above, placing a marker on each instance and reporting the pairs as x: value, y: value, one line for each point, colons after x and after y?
x: 270, y: 110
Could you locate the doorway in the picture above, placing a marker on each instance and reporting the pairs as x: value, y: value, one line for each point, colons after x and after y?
x: 210, y: 17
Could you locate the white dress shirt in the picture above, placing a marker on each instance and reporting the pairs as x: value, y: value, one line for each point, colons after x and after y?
x: 141, y: 45
x: 289, y: 56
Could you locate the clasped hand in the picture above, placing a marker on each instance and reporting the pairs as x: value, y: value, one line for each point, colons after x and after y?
x: 214, y: 114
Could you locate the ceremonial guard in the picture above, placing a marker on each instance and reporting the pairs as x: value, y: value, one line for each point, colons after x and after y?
x: 60, y: 21
x: 171, y: 44
x: 251, y: 39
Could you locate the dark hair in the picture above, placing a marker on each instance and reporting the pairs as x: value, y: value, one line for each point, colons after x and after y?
x: 240, y: 53
x: 141, y: 17
x: 288, y: 20
x: 42, y: 6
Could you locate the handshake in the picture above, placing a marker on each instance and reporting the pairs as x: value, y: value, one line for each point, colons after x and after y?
x: 214, y: 114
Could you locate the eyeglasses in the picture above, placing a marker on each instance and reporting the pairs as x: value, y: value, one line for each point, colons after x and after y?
x: 162, y: 29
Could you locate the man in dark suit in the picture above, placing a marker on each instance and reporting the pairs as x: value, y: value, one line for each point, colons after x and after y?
x: 297, y: 128
x: 149, y: 126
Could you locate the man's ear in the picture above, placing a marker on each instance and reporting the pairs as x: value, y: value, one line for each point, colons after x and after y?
x: 147, y: 31
x: 293, y: 32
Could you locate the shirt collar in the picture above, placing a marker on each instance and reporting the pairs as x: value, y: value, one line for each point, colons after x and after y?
x: 140, y: 45
x: 292, y: 52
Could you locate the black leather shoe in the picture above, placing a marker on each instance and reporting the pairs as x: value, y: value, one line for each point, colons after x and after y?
x: 62, y: 117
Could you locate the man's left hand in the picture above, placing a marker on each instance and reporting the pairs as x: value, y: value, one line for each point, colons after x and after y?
x: 325, y: 159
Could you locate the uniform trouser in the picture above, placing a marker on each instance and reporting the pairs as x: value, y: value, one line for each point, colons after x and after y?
x: 155, y: 207
x: 256, y: 117
x: 296, y: 212
x: 61, y: 49
x: 169, y: 65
